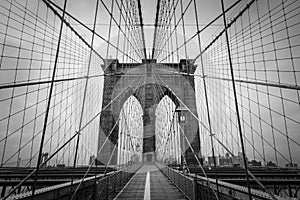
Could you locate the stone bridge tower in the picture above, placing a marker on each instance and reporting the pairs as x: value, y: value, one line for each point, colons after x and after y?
x: 149, y: 82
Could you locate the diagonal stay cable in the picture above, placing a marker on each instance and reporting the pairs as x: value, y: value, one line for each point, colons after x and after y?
x: 206, y: 103
x: 155, y: 29
x: 49, y: 99
x: 164, y: 24
x: 68, y: 141
x: 48, y: 2
x: 208, y: 180
x: 142, y: 28
x: 195, y: 116
x: 270, y: 84
x: 85, y: 93
x: 173, y: 115
x: 127, y: 22
x: 174, y: 29
x: 199, y: 163
x: 8, y: 86
x: 100, y: 149
x: 111, y: 15
x: 130, y: 21
x: 169, y: 133
x: 199, y: 31
x: 222, y: 32
x: 250, y: 173
x: 91, y: 164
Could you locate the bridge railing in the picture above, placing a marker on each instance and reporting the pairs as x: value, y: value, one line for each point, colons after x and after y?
x: 95, y: 187
x: 199, y: 187
x: 184, y: 183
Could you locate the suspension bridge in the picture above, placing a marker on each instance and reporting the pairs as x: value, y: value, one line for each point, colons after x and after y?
x: 135, y: 99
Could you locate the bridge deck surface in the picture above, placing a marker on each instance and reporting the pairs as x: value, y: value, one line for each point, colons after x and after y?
x: 149, y: 183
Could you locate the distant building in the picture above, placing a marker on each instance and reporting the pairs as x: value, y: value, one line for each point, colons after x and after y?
x: 61, y: 165
x: 238, y: 160
x: 225, y: 161
x: 211, y: 160
x: 271, y: 164
x: 228, y: 160
x: 293, y: 165
x: 254, y: 163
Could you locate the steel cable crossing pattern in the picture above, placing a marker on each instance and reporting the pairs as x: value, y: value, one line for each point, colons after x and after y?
x: 251, y: 63
x: 18, y: 6
x: 275, y: 16
x: 45, y: 82
x: 159, y: 25
x: 189, y: 144
x: 209, y: 66
x: 279, y: 85
x: 84, y: 95
x: 99, y: 151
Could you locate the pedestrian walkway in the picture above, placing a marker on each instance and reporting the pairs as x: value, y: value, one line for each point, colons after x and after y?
x: 149, y: 183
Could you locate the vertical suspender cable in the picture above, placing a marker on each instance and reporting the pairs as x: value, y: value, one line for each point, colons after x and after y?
x: 206, y: 101
x: 236, y: 103
x: 109, y: 29
x: 84, y: 95
x: 49, y: 100
x: 183, y: 29
x: 155, y: 28
x: 142, y: 28
x: 118, y: 37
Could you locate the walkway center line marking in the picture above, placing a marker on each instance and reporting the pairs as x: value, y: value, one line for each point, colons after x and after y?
x: 147, y: 187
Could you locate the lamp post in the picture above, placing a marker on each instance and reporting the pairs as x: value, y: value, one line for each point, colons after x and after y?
x: 181, y: 114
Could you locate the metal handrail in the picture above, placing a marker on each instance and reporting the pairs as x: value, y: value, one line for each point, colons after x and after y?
x: 195, y: 187
x: 96, y: 187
